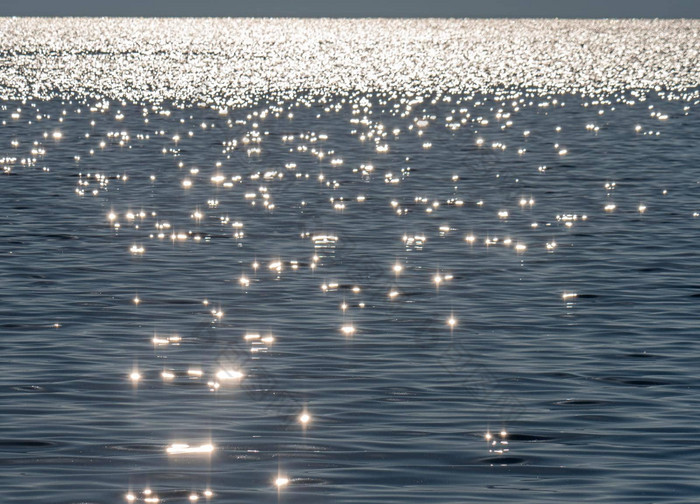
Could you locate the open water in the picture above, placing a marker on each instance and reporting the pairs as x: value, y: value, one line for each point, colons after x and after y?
x: 310, y: 261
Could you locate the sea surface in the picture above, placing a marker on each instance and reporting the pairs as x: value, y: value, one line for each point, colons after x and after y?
x: 349, y: 261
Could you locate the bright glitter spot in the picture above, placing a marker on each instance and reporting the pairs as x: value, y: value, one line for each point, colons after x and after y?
x: 281, y: 481
x: 228, y: 374
x: 157, y: 340
x: 184, y: 448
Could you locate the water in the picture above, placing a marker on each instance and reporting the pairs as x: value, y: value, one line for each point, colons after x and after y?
x: 411, y: 278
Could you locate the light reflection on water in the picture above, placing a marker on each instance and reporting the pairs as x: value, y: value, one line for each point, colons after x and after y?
x: 514, y: 266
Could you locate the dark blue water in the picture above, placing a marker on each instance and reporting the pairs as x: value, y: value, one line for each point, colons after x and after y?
x: 583, y: 353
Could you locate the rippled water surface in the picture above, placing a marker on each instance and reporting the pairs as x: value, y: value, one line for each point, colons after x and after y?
x: 349, y: 261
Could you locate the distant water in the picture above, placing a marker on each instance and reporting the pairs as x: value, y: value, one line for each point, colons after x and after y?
x: 345, y: 261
